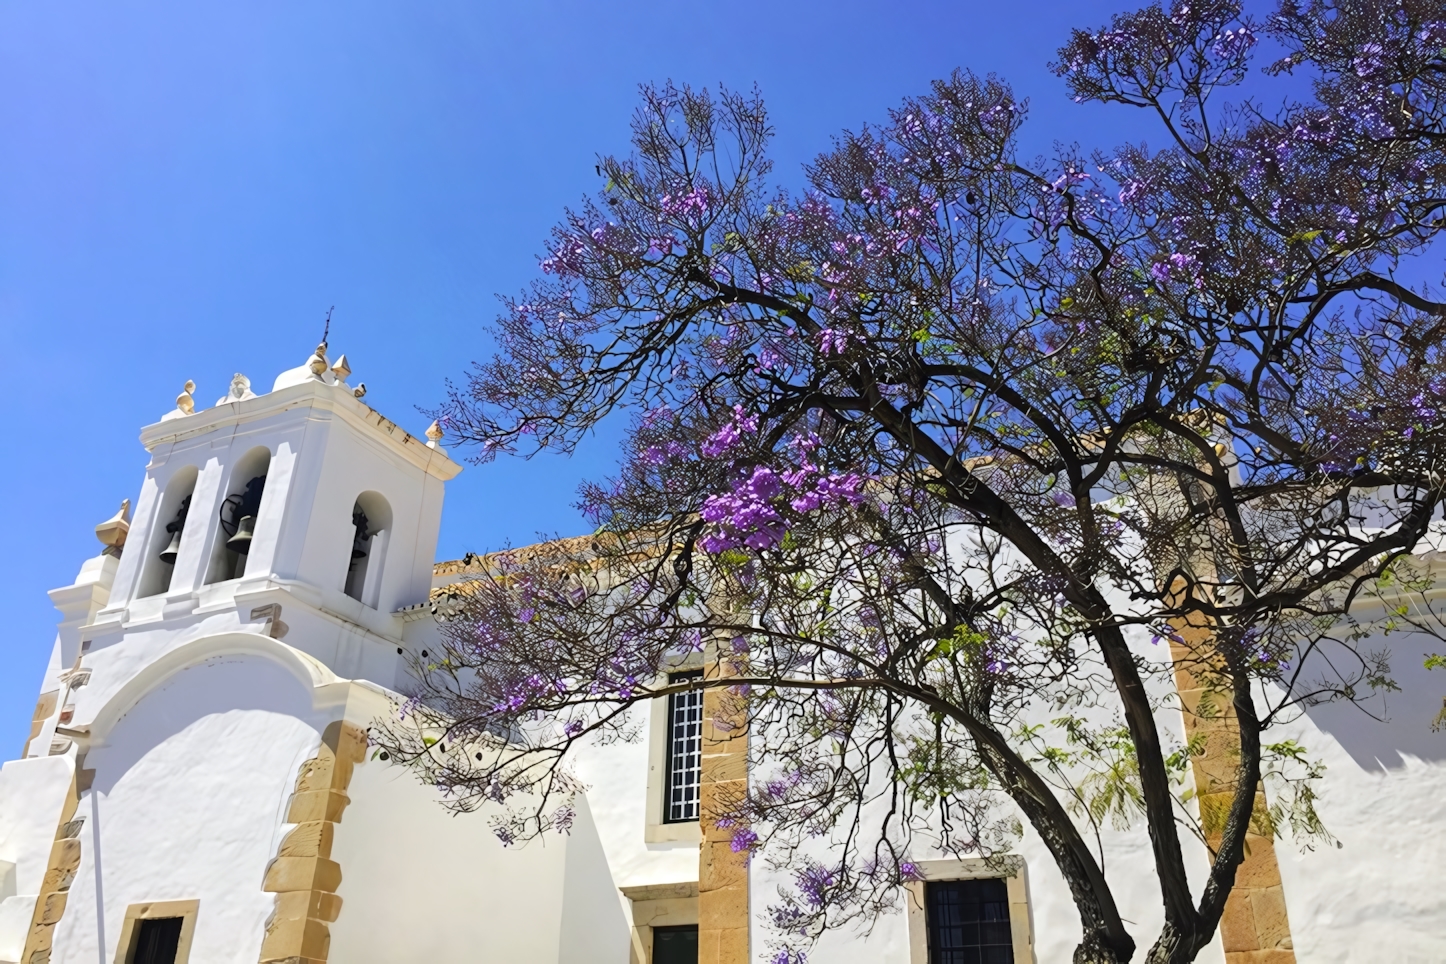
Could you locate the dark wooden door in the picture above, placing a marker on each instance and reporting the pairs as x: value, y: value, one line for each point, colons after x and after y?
x: 675, y: 945
x: 157, y: 940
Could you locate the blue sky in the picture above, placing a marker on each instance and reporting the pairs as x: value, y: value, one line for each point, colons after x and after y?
x: 185, y: 188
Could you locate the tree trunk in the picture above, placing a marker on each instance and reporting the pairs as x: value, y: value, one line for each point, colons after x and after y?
x: 1173, y: 947
x: 1092, y: 951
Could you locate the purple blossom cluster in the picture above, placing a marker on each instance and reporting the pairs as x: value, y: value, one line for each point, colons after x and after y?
x: 747, y: 516
x: 788, y: 955
x: 689, y: 206
x: 523, y: 692
x: 752, y: 514
x: 721, y: 441
x: 744, y: 840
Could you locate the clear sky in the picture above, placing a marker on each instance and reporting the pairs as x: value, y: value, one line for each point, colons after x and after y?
x: 185, y: 188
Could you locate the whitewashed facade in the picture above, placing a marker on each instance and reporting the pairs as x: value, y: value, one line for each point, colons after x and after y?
x: 198, y: 757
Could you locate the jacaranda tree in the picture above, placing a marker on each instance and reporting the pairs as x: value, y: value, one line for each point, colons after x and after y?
x: 924, y: 454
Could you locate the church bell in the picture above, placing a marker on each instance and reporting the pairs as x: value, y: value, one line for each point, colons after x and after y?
x: 240, y: 543
x: 168, y: 554
x: 360, y: 536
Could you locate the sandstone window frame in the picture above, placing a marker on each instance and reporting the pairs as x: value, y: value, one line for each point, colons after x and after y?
x: 1009, y: 868
x: 187, y: 910
x: 658, y: 905
x: 656, y: 829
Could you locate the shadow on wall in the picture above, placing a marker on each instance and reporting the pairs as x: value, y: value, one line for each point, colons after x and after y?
x: 594, y: 927
x: 1384, y: 728
x: 225, y: 688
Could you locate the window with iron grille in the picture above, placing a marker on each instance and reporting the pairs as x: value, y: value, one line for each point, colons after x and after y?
x: 685, y: 752
x: 969, y: 922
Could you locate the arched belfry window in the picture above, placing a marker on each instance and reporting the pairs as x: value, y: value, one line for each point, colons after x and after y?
x: 164, y: 546
x: 237, y: 516
x: 371, y: 524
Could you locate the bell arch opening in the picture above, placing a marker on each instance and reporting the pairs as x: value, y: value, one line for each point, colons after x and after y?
x: 237, y: 516
x: 371, y: 519
x: 169, y: 523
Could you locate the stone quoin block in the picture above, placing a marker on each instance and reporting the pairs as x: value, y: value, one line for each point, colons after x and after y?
x: 302, y: 873
x: 317, y: 805
x: 291, y: 937
x: 311, y: 839
x: 301, y: 904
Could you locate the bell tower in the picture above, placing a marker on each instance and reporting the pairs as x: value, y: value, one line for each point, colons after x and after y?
x: 300, y: 513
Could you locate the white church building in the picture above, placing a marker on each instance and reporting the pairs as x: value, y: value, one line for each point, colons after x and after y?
x: 197, y: 789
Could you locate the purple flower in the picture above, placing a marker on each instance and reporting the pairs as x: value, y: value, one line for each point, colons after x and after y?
x: 831, y: 342
x: 744, y: 840
x: 567, y: 258
x: 1371, y: 60
x: 1167, y: 633
x: 830, y: 491
x: 727, y: 436
x: 658, y: 454
x: 690, y: 206
x: 1233, y: 43
x: 814, y: 882
x: 745, y: 517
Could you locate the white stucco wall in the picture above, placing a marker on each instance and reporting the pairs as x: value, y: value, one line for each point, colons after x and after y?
x: 1382, y: 894
x: 419, y: 884
x: 39, y: 745
x: 595, y: 925
x: 32, y: 793
x: 616, y: 777
x: 188, y: 802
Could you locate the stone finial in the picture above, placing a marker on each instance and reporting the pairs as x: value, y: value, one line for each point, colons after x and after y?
x: 340, y: 368
x: 112, y: 532
x: 317, y: 362
x: 238, y: 391
x: 434, y: 435
x: 360, y: 390
x: 186, y: 402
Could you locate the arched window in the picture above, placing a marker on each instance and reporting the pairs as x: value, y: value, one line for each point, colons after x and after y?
x: 164, y: 546
x: 371, y: 519
x: 238, y: 513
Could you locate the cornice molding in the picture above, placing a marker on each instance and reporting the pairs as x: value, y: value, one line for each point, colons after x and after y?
x: 317, y: 396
